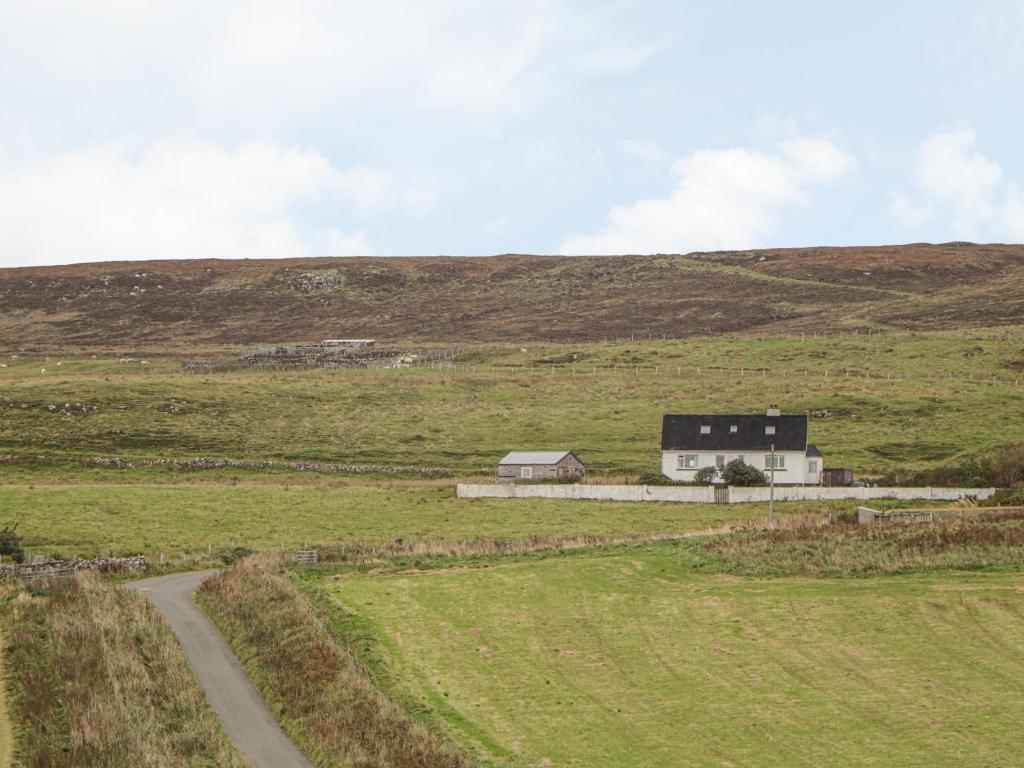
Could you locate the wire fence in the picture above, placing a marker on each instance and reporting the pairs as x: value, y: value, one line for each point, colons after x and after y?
x: 714, y: 371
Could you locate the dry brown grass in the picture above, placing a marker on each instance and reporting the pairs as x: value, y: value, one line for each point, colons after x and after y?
x: 374, y: 553
x: 970, y: 540
x: 98, y: 681
x: 6, y: 732
x: 325, y: 699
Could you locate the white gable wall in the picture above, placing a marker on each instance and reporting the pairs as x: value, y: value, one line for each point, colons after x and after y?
x: 794, y: 473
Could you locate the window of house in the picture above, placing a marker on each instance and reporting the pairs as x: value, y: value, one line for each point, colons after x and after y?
x: 705, y: 429
x: 770, y: 429
x: 733, y: 429
x: 720, y: 461
x: 780, y: 461
x: 812, y: 466
x: 742, y: 458
x: 527, y: 473
x: 687, y: 461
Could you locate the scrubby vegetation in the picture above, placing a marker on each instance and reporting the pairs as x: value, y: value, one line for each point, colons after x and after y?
x: 809, y: 546
x: 10, y: 544
x: 99, y: 681
x: 325, y: 699
x: 1000, y: 467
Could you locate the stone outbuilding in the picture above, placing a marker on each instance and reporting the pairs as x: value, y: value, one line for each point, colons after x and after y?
x: 534, y: 466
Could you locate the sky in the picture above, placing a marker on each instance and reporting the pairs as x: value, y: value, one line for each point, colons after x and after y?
x: 143, y: 129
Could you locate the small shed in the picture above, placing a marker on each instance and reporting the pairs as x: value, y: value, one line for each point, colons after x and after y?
x: 532, y: 466
x: 836, y: 477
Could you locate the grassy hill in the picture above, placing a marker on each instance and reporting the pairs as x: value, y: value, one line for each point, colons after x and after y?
x: 188, y: 305
x: 876, y: 403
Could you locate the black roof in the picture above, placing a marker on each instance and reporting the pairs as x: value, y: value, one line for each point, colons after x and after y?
x: 681, y: 432
x: 812, y: 451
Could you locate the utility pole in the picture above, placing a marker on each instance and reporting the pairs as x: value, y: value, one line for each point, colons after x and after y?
x: 771, y: 488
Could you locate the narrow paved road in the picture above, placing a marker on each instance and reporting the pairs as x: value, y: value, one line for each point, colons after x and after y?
x: 242, y: 710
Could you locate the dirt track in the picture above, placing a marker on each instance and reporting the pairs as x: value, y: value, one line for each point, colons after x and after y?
x: 228, y: 688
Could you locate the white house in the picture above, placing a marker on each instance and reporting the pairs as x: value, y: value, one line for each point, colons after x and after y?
x: 690, y: 442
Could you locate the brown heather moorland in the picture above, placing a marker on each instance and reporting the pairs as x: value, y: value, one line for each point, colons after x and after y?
x: 214, y: 304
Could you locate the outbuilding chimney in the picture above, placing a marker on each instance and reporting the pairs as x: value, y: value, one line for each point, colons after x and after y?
x: 773, y: 410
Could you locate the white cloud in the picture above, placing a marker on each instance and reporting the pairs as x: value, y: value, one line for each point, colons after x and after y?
x: 181, y: 199
x: 645, y: 149
x: 909, y: 214
x: 722, y: 199
x: 957, y: 182
x: 229, y: 64
x: 1013, y: 213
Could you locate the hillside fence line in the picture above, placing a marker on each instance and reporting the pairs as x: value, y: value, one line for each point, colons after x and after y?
x: 696, y: 372
x: 706, y: 494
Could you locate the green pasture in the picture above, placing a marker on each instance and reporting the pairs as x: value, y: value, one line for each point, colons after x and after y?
x: 876, y: 402
x: 638, y: 657
x: 181, y: 519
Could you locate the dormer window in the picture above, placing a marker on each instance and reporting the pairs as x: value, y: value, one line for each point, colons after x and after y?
x: 733, y: 429
x: 705, y: 429
x: 770, y: 429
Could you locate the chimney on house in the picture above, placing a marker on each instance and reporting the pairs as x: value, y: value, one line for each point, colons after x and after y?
x: 773, y: 410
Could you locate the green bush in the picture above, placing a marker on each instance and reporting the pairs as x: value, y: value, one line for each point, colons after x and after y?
x: 741, y: 474
x: 10, y: 544
x: 657, y: 478
x: 705, y: 475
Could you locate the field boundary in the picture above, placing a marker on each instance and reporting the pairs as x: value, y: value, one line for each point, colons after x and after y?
x: 705, y: 494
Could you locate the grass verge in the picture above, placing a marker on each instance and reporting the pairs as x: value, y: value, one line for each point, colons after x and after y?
x: 6, y: 731
x: 324, y: 698
x: 97, y: 680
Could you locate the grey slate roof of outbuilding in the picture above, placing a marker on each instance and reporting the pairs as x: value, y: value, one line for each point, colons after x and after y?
x: 813, y: 452
x: 681, y: 432
x: 534, y: 457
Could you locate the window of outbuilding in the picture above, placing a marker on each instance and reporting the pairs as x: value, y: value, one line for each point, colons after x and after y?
x: 733, y: 429
x: 770, y: 429
x: 705, y: 429
x: 527, y: 473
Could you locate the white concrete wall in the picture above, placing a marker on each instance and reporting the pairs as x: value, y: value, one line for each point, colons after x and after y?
x: 819, y: 493
x: 706, y: 494
x: 795, y: 471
